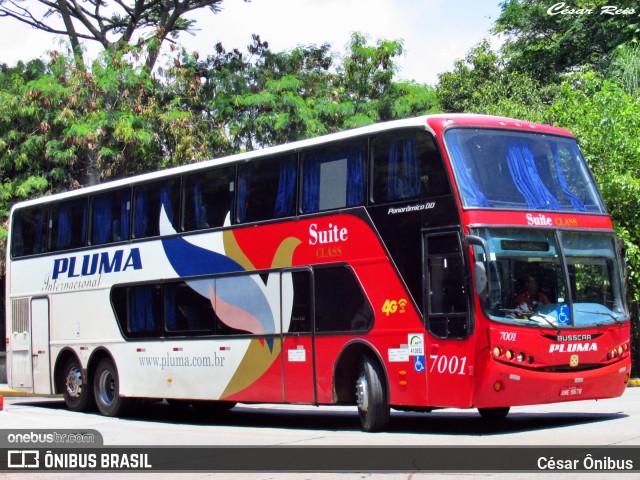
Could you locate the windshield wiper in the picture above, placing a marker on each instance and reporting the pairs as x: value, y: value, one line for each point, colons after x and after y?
x: 608, y: 314
x: 528, y: 316
x: 546, y: 319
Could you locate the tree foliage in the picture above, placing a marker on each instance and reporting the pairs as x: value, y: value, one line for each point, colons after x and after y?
x: 544, y: 43
x: 62, y: 126
x: 261, y: 97
x: 114, y: 25
x: 549, y: 71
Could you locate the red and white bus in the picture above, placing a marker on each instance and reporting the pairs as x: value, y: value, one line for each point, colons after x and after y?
x: 444, y: 261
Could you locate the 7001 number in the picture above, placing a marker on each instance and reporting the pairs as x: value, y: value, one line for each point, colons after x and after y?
x: 453, y: 365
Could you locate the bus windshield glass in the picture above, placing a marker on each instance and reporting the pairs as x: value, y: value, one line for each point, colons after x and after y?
x: 520, y: 171
x: 553, y: 278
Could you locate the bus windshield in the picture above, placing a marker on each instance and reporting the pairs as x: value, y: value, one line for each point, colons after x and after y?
x: 520, y: 171
x: 553, y: 278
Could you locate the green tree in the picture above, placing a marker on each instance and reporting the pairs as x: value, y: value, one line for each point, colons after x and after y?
x: 624, y: 69
x: 605, y: 119
x: 55, y: 116
x: 114, y: 25
x: 482, y: 83
x: 544, y: 43
x: 264, y: 98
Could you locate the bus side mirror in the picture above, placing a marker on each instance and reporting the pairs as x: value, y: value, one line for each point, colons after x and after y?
x: 481, y: 271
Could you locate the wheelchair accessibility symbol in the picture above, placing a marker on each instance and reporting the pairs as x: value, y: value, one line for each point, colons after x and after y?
x: 418, y: 363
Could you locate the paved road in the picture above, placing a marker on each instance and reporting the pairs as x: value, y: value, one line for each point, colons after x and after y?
x: 588, y: 423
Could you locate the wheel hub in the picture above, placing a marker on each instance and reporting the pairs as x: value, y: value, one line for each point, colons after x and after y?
x: 74, y: 383
x: 362, y: 399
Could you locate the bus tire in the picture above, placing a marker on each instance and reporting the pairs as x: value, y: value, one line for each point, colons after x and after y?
x: 106, y: 388
x: 77, y: 392
x: 371, y: 397
x: 497, y: 413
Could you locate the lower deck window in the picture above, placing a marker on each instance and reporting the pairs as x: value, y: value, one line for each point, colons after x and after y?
x: 325, y: 299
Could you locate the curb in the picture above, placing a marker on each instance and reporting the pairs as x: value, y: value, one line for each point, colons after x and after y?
x: 634, y: 382
x: 18, y: 393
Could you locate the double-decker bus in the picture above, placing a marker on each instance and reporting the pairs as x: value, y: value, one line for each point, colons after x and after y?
x: 459, y: 261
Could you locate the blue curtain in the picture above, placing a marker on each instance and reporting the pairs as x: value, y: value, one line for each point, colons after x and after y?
x: 356, y: 166
x: 124, y: 217
x: 65, y: 223
x: 141, y: 314
x: 171, y: 322
x: 199, y: 208
x: 403, y: 180
x: 101, y: 228
x: 472, y: 195
x: 40, y: 244
x: 166, y: 202
x: 140, y: 215
x: 311, y: 182
x: 286, y: 196
x: 356, y: 173
x: 578, y: 204
x: 243, y: 192
x: 527, y: 178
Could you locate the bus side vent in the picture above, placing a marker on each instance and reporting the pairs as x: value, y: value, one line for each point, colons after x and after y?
x: 20, y: 315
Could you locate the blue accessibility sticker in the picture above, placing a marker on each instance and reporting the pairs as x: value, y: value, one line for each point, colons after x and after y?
x: 418, y: 363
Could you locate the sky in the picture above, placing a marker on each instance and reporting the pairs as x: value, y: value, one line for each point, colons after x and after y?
x: 434, y: 32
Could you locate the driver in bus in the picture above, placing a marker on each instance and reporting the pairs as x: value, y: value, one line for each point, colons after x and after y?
x: 531, y: 296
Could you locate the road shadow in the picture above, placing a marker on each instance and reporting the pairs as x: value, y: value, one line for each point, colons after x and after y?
x: 441, y: 422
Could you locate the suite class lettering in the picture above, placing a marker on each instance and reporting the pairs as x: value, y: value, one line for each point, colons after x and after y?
x: 542, y: 220
x: 332, y: 234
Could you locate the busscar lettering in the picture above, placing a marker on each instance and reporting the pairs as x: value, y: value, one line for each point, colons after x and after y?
x: 96, y: 263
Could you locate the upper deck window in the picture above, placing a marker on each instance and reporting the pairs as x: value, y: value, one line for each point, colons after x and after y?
x: 334, y: 177
x: 406, y: 165
x: 521, y: 171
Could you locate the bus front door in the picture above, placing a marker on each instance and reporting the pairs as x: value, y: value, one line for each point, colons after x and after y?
x: 449, y: 343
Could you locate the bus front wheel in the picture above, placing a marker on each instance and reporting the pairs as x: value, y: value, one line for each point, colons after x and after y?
x: 371, y: 397
x: 106, y: 389
x: 75, y: 389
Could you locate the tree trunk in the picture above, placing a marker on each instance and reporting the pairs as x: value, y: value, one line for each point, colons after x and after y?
x: 90, y: 174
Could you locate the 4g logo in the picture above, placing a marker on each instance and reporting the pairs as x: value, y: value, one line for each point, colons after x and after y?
x: 394, y: 306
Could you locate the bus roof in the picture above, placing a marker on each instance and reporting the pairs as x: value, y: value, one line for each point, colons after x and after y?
x: 434, y: 123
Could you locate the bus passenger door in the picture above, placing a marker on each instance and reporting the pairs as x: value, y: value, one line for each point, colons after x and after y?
x: 297, y: 337
x: 449, y: 343
x: 40, y: 351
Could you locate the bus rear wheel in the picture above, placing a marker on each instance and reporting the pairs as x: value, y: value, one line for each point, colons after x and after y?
x: 371, y: 397
x: 75, y: 389
x: 106, y: 389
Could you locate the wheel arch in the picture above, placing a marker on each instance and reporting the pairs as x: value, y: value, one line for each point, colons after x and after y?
x: 61, y: 360
x: 97, y: 355
x: 66, y: 353
x: 347, y: 369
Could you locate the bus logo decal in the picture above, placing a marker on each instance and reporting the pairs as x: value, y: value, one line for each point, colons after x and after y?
x: 416, y: 344
x: 573, y: 347
x: 96, y: 263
